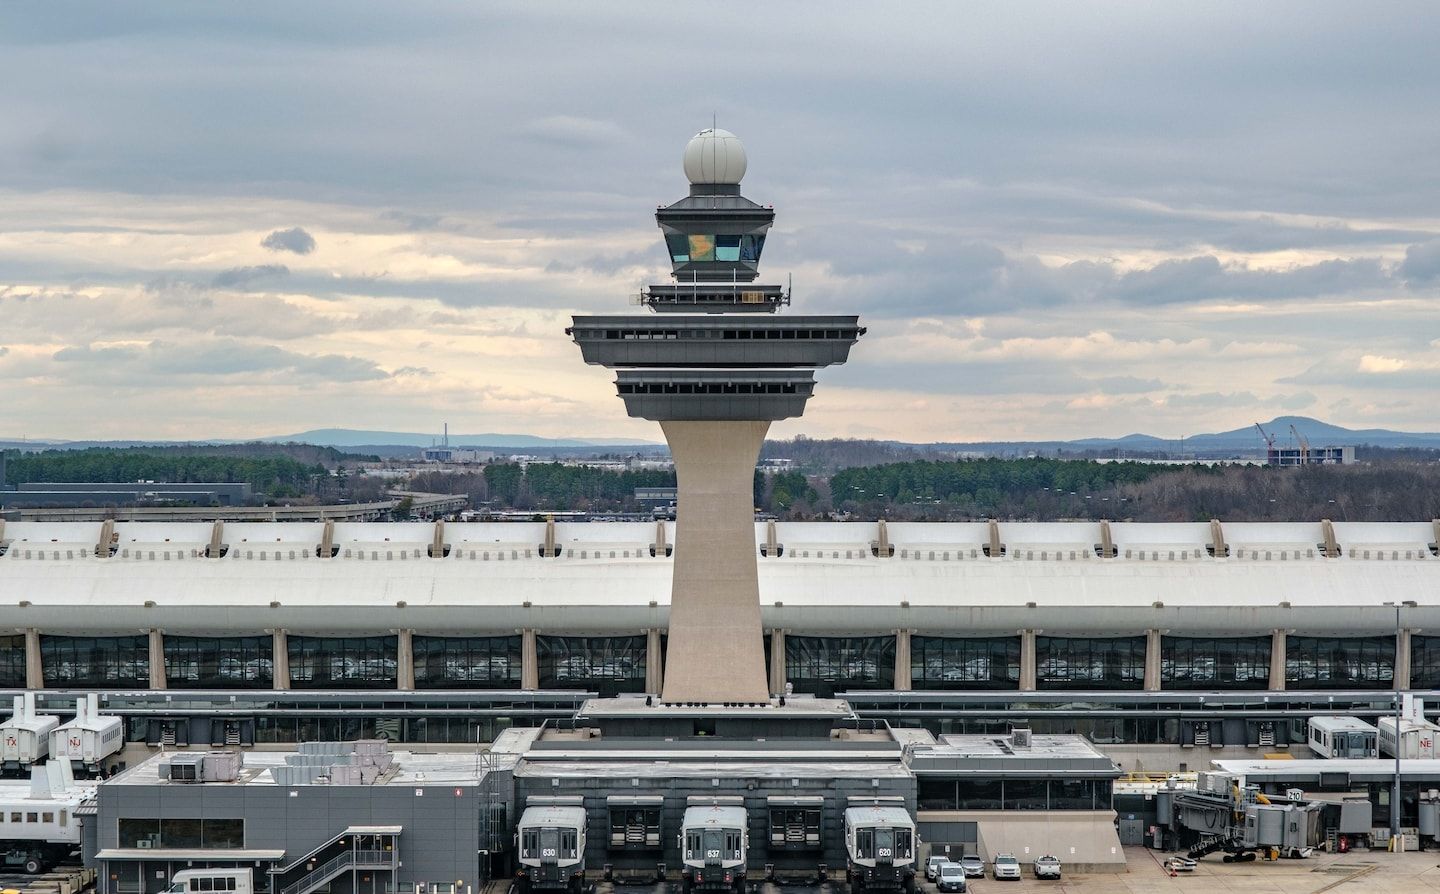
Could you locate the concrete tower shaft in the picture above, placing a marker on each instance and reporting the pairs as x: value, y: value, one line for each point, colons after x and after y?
x: 716, y: 639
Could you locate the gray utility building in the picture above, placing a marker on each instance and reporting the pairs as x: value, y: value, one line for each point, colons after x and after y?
x: 301, y: 820
x: 367, y: 819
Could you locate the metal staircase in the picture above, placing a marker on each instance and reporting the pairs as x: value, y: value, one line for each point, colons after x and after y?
x: 338, y: 865
x: 363, y: 847
x: 1208, y: 845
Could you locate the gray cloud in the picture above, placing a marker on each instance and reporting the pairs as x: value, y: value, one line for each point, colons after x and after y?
x: 243, y: 276
x: 294, y: 240
x: 1422, y: 263
x: 1344, y: 374
x: 1087, y: 171
x: 91, y: 354
x: 216, y: 357
x: 414, y: 223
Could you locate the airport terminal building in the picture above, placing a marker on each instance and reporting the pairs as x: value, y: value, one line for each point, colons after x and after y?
x: 445, y: 632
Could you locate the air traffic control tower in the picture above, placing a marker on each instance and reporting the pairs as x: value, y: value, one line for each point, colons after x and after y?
x: 715, y: 365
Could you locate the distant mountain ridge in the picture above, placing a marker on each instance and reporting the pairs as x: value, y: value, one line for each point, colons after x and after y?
x: 1244, y: 440
x: 1239, y: 441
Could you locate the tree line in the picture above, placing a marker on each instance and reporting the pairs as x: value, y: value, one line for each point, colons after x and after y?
x: 272, y: 476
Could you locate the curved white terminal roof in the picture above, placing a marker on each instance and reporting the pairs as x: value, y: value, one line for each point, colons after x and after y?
x: 715, y: 156
x: 615, y: 578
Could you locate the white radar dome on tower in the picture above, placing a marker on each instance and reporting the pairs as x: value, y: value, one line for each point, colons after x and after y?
x: 715, y: 156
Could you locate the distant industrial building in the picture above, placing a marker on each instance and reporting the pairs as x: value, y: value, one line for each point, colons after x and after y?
x: 1302, y: 454
x: 1309, y: 456
x: 49, y: 494
x: 457, y: 455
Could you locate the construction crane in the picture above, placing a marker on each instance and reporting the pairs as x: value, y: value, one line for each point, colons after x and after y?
x: 1304, y: 444
x: 1269, y: 439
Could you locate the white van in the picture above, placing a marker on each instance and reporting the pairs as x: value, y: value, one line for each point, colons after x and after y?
x: 194, y: 881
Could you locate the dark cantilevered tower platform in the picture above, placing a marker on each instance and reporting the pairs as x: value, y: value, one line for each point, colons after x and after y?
x: 715, y: 365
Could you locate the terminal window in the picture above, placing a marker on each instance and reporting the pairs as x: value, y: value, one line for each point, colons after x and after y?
x: 219, y: 662
x: 342, y: 662
x: 1425, y: 662
x: 1090, y: 662
x: 12, y: 662
x: 825, y: 665
x: 608, y: 665
x: 102, y: 662
x: 1199, y: 662
x: 467, y: 662
x: 953, y: 662
x: 1353, y: 662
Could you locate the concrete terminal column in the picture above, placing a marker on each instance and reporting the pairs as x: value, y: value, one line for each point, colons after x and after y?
x: 1402, y: 658
x: 405, y: 659
x: 654, y: 659
x: 529, y: 660
x: 902, y: 660
x: 777, y: 661
x: 1027, y: 660
x: 715, y: 589
x: 280, y: 657
x: 157, y: 659
x: 1277, y: 660
x: 34, y: 669
x: 1153, y: 643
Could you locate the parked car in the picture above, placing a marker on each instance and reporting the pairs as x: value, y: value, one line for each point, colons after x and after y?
x: 932, y: 867
x: 974, y: 866
x: 1005, y: 866
x: 950, y: 877
x: 1047, y: 866
x: 1179, y: 864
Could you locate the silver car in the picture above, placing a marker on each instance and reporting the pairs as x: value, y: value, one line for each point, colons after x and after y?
x: 974, y: 866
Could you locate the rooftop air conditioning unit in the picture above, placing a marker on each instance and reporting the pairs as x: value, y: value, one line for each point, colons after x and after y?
x: 187, y: 768
x: 1020, y: 737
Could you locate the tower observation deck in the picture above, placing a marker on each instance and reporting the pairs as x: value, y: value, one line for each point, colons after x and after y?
x: 715, y: 365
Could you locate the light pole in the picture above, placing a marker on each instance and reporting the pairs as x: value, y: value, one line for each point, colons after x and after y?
x: 1395, y: 789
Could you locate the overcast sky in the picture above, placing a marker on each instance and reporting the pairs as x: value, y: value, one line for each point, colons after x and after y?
x: 1070, y: 220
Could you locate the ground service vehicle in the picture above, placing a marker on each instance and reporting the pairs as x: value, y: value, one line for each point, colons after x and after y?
x: 714, y: 840
x: 1005, y: 867
x: 90, y: 738
x: 974, y: 866
x: 1047, y: 866
x: 193, y: 881
x: 39, y: 827
x: 1342, y: 737
x: 550, y: 841
x: 950, y: 877
x: 25, y: 737
x: 880, y: 848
